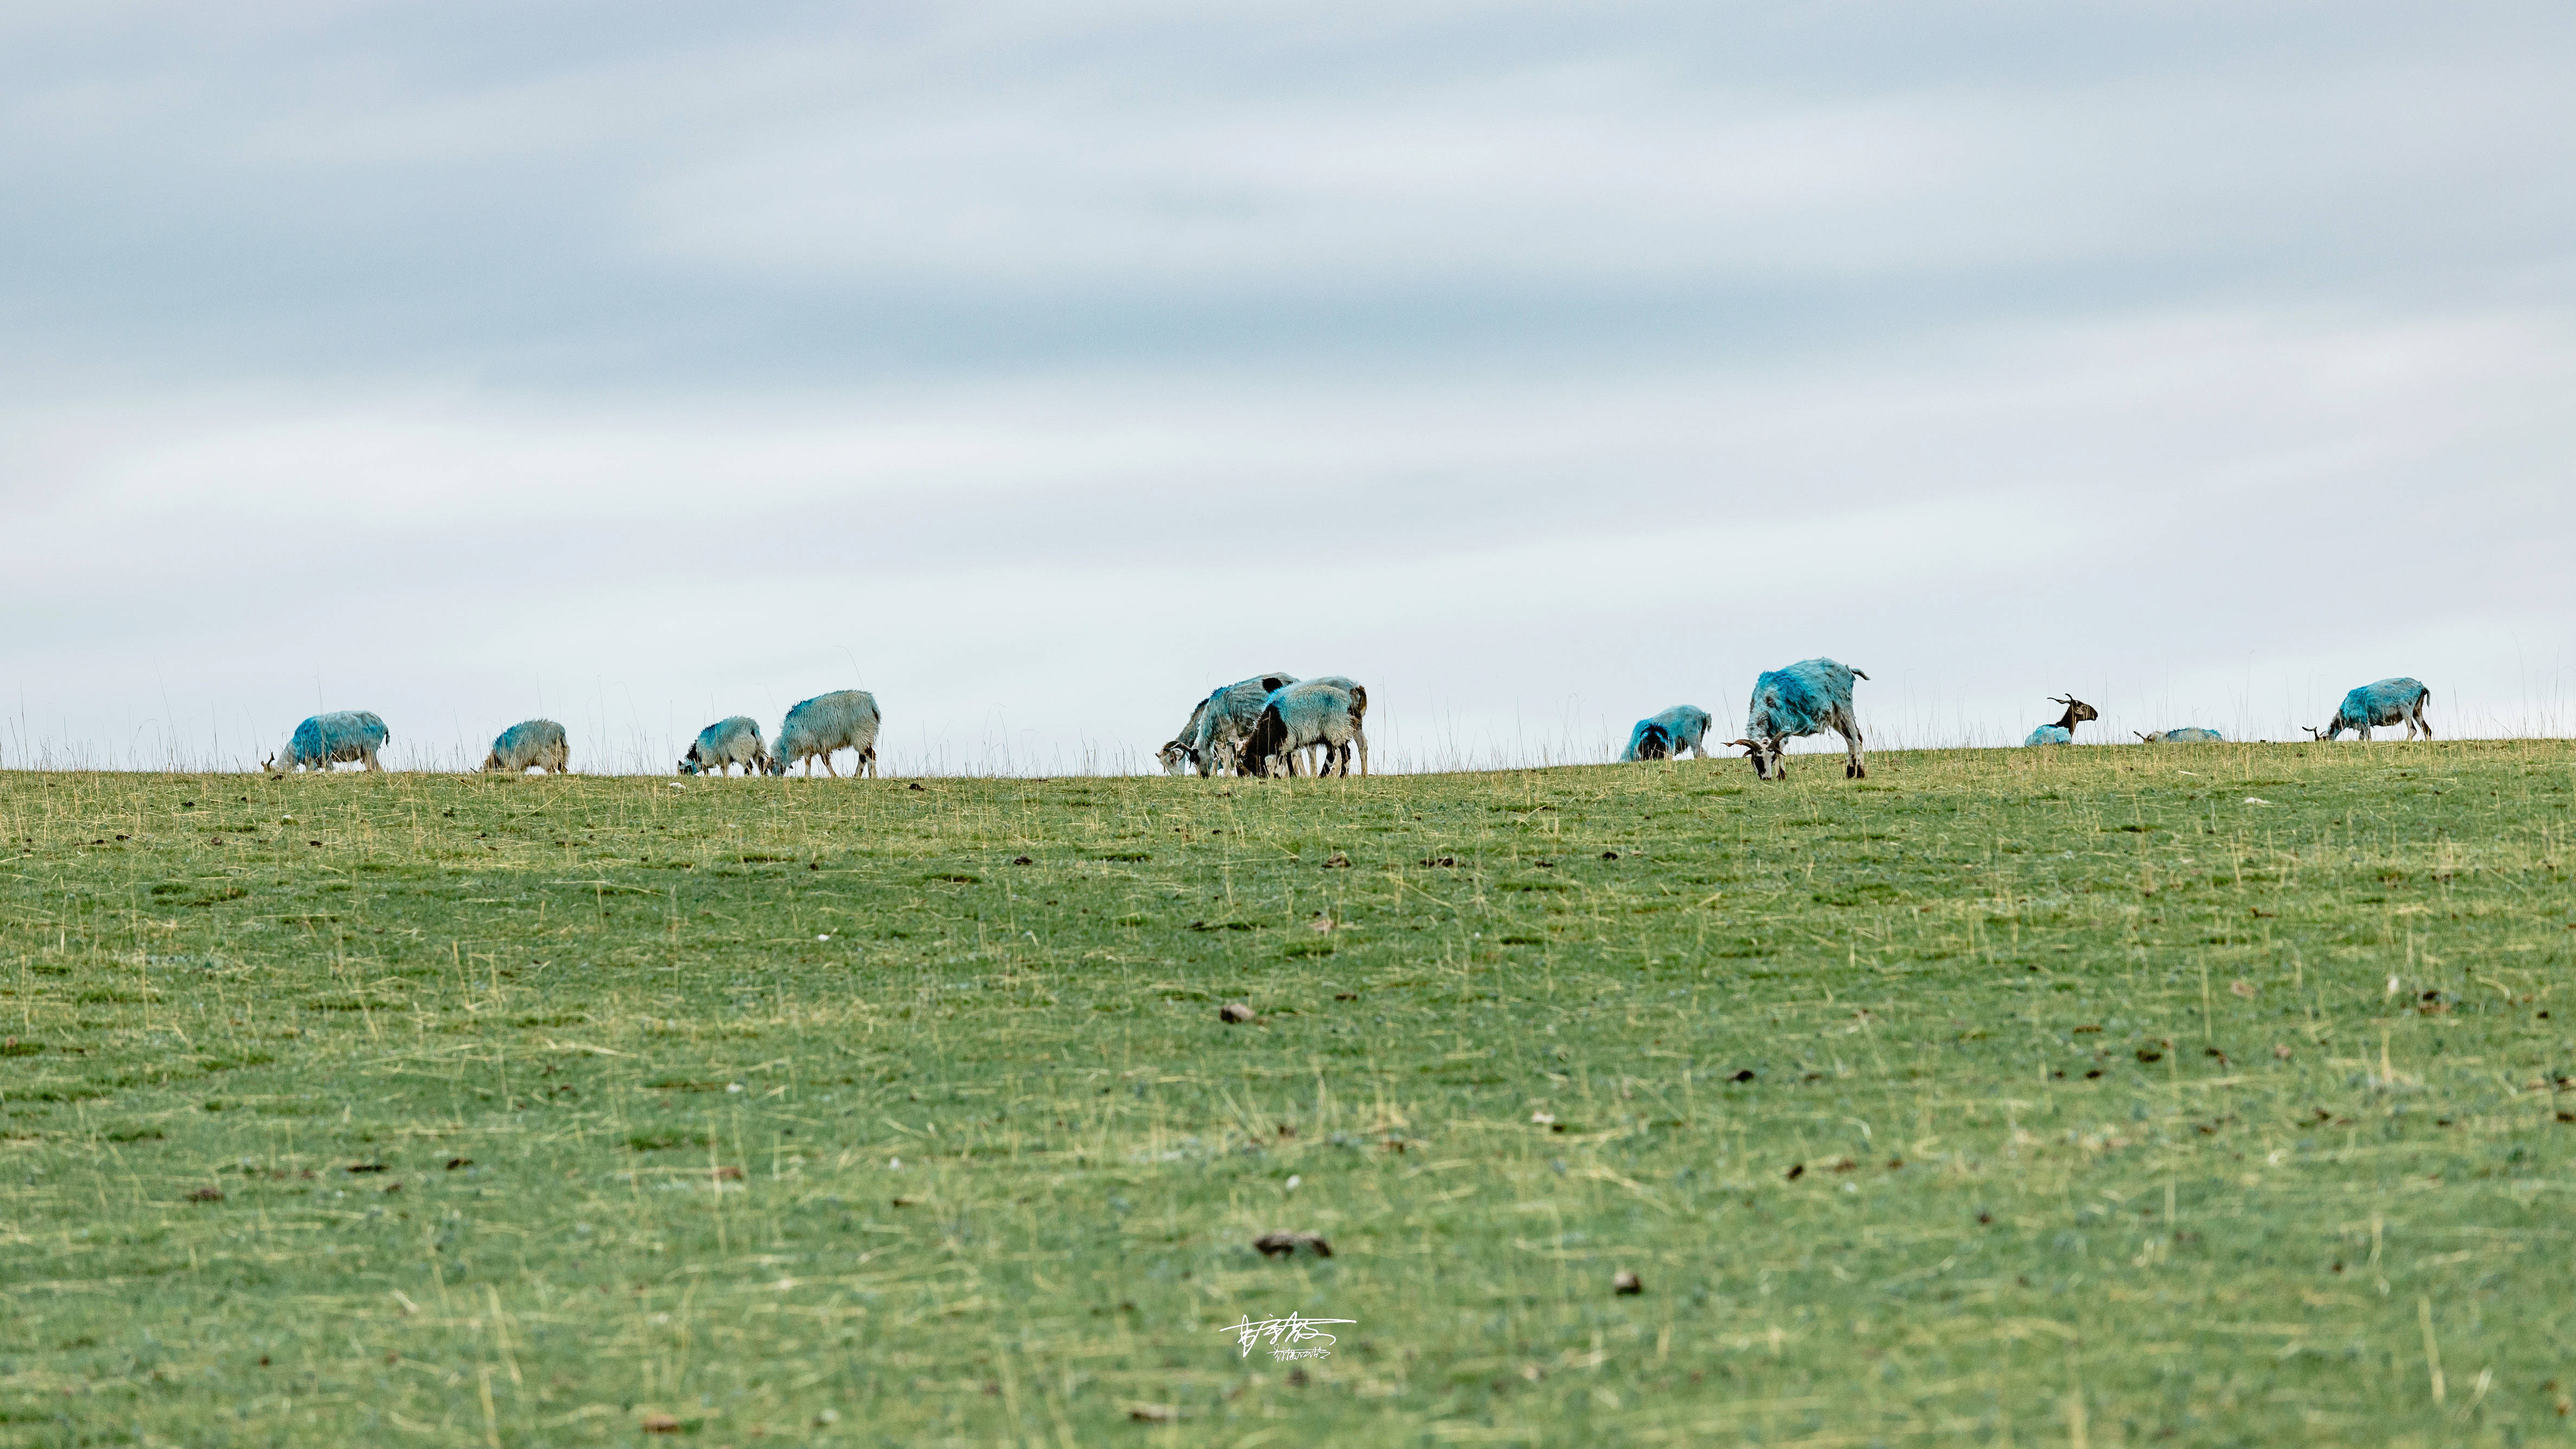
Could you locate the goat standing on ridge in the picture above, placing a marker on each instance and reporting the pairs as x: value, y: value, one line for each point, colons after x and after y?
x: 2388, y: 702
x: 1214, y: 734
x: 1665, y: 736
x: 329, y: 739
x: 1802, y: 699
x: 725, y: 744
x: 845, y: 719
x: 529, y: 744
x: 1310, y: 714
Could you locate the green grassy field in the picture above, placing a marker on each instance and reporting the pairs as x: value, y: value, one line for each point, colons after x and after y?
x: 2032, y: 1097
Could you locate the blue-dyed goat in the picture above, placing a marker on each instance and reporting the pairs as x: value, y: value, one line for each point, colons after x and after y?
x: 1214, y: 735
x: 330, y: 739
x: 2063, y: 732
x: 845, y: 719
x: 1664, y: 736
x: 530, y: 744
x: 1312, y: 714
x: 725, y: 744
x: 1802, y: 699
x: 2388, y: 702
x: 2187, y: 735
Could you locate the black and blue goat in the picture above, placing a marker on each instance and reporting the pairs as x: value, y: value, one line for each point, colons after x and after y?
x: 725, y: 744
x: 325, y: 740
x: 1804, y: 698
x: 1209, y: 743
x: 1664, y: 736
x: 2388, y: 702
x: 1326, y: 714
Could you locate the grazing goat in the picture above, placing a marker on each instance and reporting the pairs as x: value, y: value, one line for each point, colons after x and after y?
x: 2388, y: 702
x: 1214, y: 734
x: 844, y: 719
x: 725, y: 744
x: 1802, y: 699
x: 2063, y: 732
x: 2187, y: 735
x: 530, y: 744
x: 1664, y: 736
x: 1302, y: 715
x: 1178, y: 755
x: 1312, y: 758
x: 329, y: 739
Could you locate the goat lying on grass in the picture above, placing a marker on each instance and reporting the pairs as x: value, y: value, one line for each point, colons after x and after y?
x: 2063, y: 732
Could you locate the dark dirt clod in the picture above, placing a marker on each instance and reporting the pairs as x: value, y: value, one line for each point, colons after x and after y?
x: 1743, y: 1076
x: 1797, y: 1170
x: 1625, y: 1282
x: 1609, y: 855
x: 1022, y: 860
x: 1279, y: 1244
x: 206, y: 1194
x: 454, y: 1163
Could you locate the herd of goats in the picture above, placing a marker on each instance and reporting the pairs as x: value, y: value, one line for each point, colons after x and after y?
x: 1277, y: 724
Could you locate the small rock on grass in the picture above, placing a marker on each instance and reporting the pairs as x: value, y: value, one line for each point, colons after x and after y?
x: 661, y: 1424
x: 1153, y: 1413
x: 1625, y: 1282
x: 1235, y: 1013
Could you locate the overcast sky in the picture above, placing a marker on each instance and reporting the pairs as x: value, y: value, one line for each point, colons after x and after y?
x: 1041, y: 366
